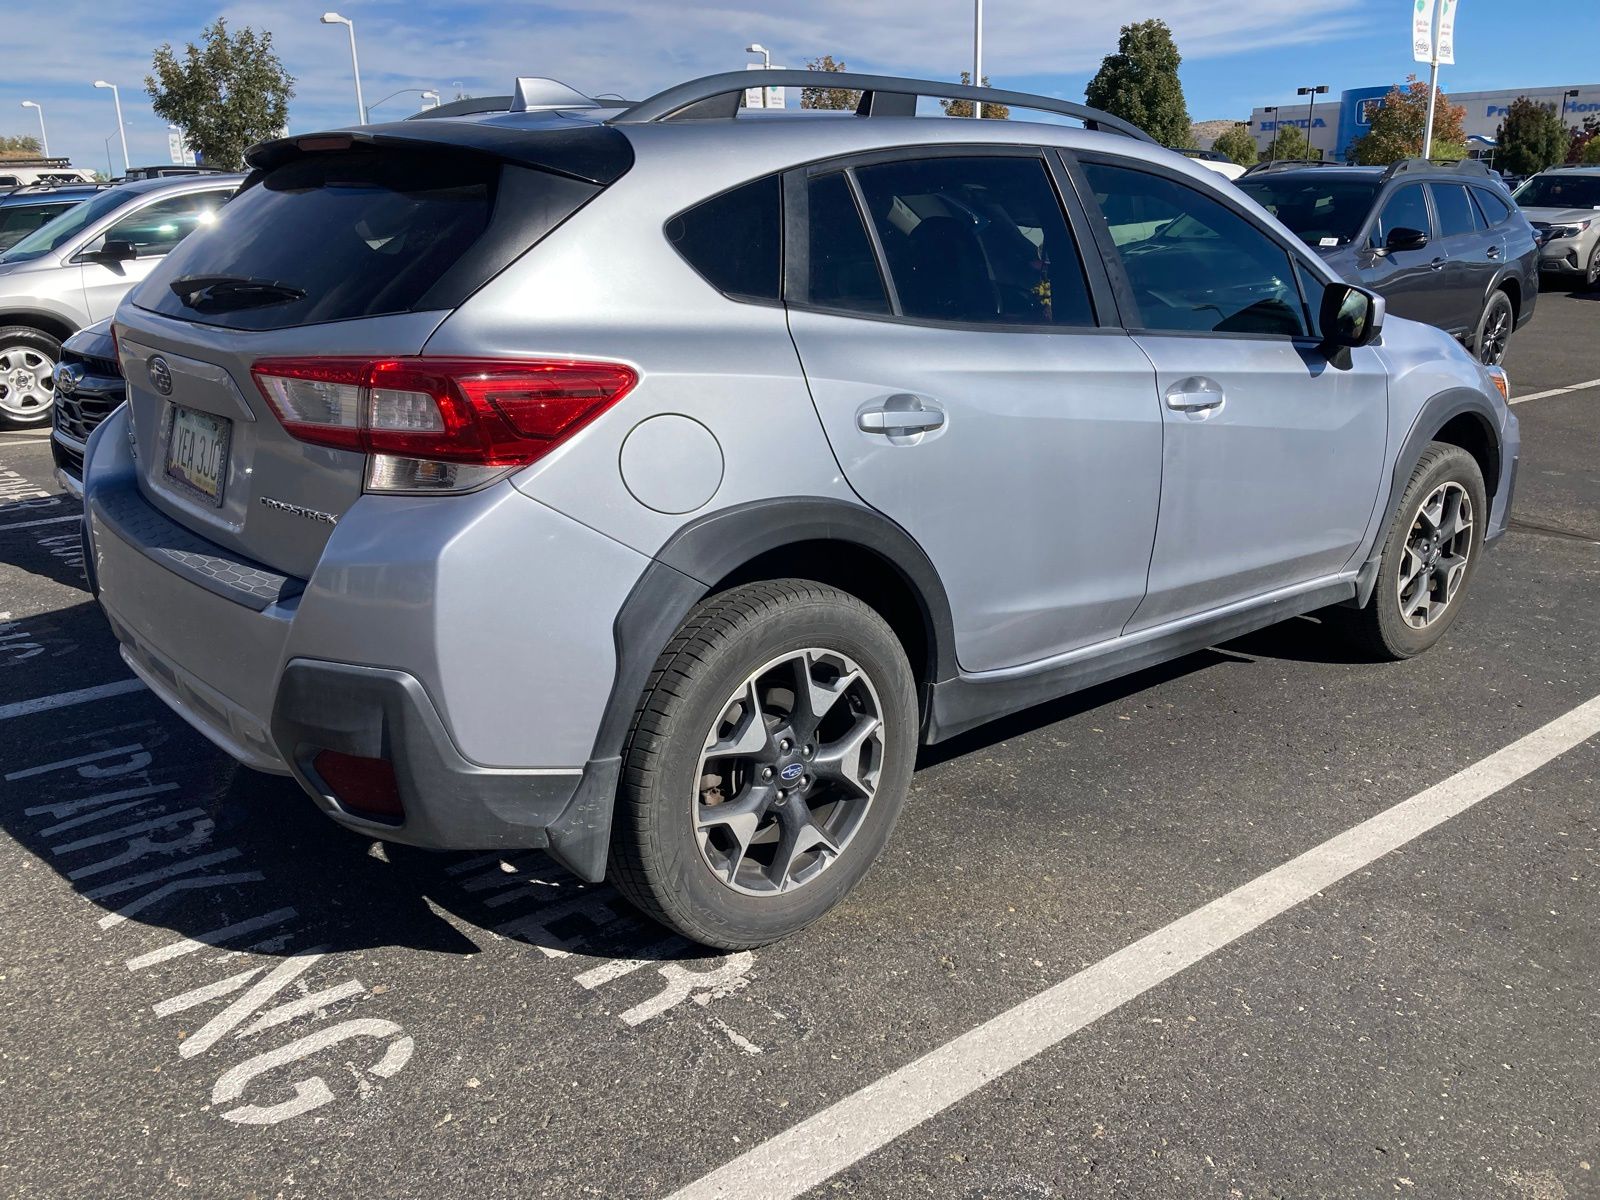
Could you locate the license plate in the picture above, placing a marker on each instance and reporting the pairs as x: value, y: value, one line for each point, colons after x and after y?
x: 197, y: 451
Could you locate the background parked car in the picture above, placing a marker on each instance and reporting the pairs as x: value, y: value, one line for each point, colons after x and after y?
x: 16, y: 174
x: 1563, y: 204
x: 1220, y: 163
x: 88, y: 388
x: 1441, y: 242
x: 29, y: 208
x: 73, y: 271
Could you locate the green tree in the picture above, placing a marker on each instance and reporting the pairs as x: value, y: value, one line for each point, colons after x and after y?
x: 1396, y: 131
x: 1289, y: 141
x: 1531, y: 138
x: 19, y: 145
x: 225, y: 96
x: 1591, y: 152
x: 1139, y: 83
x: 1239, y: 144
x: 828, y: 97
x: 963, y: 108
x: 1583, y: 136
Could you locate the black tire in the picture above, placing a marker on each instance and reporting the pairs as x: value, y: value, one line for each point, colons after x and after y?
x: 31, y: 349
x: 1381, y: 628
x: 657, y: 860
x: 1495, y: 326
x: 1591, y: 277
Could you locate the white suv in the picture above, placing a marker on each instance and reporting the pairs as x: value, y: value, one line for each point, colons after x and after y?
x: 73, y: 272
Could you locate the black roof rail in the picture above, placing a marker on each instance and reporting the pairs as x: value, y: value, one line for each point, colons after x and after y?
x: 1284, y: 164
x: 76, y: 185
x: 720, y: 96
x: 1469, y: 166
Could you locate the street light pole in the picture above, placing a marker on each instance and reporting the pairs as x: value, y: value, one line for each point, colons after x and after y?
x: 1311, y: 112
x: 977, y: 53
x: 333, y: 18
x: 116, y: 98
x: 1565, y: 96
x: 44, y: 138
x: 766, y: 64
x: 1433, y: 84
x: 1272, y: 146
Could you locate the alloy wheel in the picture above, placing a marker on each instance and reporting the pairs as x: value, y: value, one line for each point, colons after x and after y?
x: 27, y: 382
x: 1436, y: 554
x: 1496, y: 334
x: 788, y: 771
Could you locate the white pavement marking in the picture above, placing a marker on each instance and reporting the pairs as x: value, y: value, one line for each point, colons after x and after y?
x: 1560, y: 391
x: 214, y: 938
x: 117, y: 752
x: 44, y: 521
x: 39, y: 704
x: 808, y: 1154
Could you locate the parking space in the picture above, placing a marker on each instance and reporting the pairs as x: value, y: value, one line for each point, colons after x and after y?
x: 208, y: 988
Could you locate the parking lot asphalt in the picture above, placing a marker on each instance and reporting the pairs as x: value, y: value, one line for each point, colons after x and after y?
x: 212, y: 991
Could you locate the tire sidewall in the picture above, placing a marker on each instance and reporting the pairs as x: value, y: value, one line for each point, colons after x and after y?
x: 684, y: 882
x: 1450, y: 463
x: 35, y: 339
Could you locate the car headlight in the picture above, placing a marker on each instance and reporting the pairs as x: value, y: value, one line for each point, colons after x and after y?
x: 1562, y: 231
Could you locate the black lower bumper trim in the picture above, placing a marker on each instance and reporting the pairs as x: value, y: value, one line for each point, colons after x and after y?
x: 450, y: 802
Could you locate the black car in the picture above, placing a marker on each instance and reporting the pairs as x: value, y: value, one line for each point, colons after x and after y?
x: 88, y: 388
x: 27, y: 208
x: 1441, y: 242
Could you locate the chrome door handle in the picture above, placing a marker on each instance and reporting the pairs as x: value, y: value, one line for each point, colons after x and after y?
x: 1196, y: 394
x: 1493, y: 252
x: 1436, y: 265
x: 900, y: 415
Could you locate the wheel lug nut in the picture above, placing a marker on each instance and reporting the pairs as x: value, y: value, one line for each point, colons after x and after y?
x: 810, y: 750
x: 766, y: 772
x: 786, y: 745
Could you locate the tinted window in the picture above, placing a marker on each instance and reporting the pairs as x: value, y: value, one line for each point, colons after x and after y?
x: 68, y: 225
x: 156, y: 228
x: 1563, y: 189
x: 843, y: 268
x: 359, y: 234
x: 1321, y: 211
x: 17, y: 221
x: 977, y: 239
x: 1406, y: 209
x: 1454, y: 206
x: 735, y: 240
x: 1194, y: 263
x: 1494, y: 208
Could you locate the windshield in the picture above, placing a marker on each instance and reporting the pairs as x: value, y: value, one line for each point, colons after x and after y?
x: 1323, y: 212
x: 1560, y: 191
x: 66, y: 227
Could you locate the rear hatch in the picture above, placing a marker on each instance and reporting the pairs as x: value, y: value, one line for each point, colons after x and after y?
x: 341, y: 250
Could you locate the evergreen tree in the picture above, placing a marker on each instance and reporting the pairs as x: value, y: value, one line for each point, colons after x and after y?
x: 1139, y: 83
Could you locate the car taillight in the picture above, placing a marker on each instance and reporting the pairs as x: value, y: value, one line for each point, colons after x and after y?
x: 439, y: 424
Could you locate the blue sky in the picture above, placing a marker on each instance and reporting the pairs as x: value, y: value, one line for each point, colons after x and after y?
x: 1237, y: 53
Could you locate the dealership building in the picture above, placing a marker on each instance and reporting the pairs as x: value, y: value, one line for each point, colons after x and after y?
x: 1332, y: 123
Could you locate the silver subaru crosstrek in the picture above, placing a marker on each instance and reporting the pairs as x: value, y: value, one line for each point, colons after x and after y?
x: 646, y: 482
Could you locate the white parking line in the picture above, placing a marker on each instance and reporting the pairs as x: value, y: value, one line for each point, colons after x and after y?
x: 1560, y: 391
x: 846, y: 1132
x: 42, y: 521
x: 39, y: 704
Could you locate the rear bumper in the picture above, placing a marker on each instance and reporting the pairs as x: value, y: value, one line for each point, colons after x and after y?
x: 467, y: 640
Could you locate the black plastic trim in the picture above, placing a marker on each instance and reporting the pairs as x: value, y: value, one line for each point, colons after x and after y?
x: 450, y: 802
x: 958, y: 705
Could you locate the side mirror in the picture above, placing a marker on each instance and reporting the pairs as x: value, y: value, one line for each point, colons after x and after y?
x: 1350, y: 316
x: 1401, y: 238
x: 114, y: 251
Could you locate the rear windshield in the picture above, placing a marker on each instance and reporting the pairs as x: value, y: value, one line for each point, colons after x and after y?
x: 1323, y: 212
x: 332, y: 237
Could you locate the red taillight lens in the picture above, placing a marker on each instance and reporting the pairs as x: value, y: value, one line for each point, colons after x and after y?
x: 365, y: 786
x: 487, y: 413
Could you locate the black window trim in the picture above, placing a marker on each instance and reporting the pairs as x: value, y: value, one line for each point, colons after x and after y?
x: 1109, y: 255
x: 1364, y: 242
x: 796, y: 255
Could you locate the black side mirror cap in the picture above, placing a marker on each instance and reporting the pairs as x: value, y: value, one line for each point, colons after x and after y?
x: 1350, y: 316
x: 1402, y: 238
x: 115, y: 251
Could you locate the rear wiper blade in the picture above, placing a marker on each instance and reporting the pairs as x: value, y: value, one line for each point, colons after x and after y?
x: 220, y: 293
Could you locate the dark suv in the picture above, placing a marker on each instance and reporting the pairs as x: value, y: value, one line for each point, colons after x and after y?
x: 1442, y: 242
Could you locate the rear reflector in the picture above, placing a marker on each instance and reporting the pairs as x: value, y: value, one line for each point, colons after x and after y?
x: 363, y: 786
x: 485, y: 413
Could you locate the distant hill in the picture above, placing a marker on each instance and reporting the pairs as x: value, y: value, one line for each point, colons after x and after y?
x: 1203, y: 133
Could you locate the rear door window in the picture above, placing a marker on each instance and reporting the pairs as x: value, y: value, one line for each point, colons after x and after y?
x: 1454, y: 206
x: 347, y: 235
x: 157, y: 227
x: 1406, y: 209
x: 979, y: 240
x: 1494, y: 208
x: 735, y: 240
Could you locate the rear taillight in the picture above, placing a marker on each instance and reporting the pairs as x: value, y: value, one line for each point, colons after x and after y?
x: 439, y: 424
